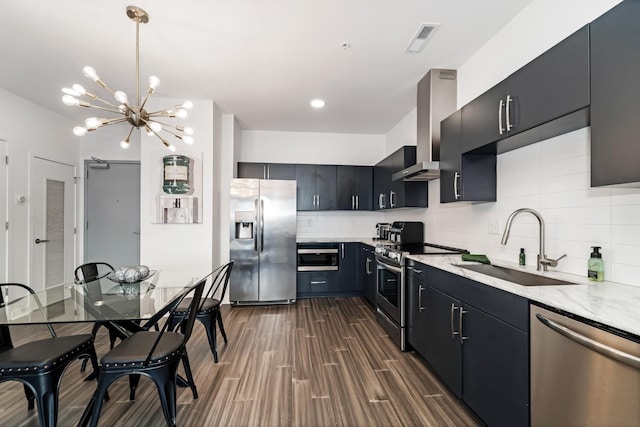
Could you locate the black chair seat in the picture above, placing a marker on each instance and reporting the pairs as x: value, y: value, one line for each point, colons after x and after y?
x: 206, y: 305
x: 135, y: 349
x: 43, y: 355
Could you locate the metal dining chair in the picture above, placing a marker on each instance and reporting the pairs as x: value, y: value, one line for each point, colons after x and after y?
x: 86, y: 273
x: 209, y: 313
x: 39, y: 364
x: 155, y: 354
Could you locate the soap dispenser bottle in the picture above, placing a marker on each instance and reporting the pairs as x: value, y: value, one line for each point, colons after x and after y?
x: 596, y: 265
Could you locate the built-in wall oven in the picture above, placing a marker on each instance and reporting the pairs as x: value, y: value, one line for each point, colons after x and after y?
x: 318, y: 257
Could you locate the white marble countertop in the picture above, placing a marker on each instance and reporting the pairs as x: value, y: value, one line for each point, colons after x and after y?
x: 609, y: 303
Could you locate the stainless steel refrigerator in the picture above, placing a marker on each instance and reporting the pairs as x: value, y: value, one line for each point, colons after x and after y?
x: 262, y: 241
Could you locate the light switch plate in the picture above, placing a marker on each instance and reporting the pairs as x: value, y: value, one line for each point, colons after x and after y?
x: 494, y: 226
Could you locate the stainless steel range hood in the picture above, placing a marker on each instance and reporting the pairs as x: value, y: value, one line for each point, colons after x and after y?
x: 437, y: 99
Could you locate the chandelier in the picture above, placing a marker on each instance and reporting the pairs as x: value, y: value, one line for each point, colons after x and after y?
x: 135, y: 115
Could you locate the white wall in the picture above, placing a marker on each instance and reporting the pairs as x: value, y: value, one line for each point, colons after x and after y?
x: 180, y: 245
x: 308, y: 147
x: 29, y: 130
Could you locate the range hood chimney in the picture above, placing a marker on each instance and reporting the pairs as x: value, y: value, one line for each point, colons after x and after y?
x: 437, y: 99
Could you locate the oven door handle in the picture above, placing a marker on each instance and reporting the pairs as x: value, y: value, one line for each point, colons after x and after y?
x: 389, y: 266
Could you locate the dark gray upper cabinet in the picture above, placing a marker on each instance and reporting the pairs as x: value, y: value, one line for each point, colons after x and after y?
x: 553, y: 85
x: 355, y: 188
x: 316, y: 187
x: 266, y: 170
x: 469, y: 178
x: 390, y: 194
x: 615, y: 96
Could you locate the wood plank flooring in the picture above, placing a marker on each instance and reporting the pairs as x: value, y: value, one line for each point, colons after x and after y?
x: 319, y: 362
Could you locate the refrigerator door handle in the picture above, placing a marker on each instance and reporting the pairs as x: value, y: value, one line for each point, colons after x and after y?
x: 255, y: 221
x: 261, y: 225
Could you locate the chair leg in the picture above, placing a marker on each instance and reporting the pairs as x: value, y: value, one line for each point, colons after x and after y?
x: 187, y: 371
x: 94, y: 331
x: 134, y: 379
x: 104, y: 382
x: 31, y: 400
x: 45, y: 392
x: 166, y: 384
x: 209, y: 323
x: 219, y: 317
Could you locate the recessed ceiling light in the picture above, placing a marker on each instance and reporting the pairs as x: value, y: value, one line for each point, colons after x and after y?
x: 317, y: 103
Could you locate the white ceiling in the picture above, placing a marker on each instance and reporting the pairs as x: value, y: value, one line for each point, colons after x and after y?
x: 262, y: 60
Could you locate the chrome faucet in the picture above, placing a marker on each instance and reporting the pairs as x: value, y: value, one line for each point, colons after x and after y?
x: 542, y: 260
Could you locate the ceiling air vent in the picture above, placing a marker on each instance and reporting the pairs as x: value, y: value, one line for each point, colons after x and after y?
x: 424, y: 33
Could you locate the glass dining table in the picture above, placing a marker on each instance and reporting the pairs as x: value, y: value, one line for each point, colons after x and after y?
x: 105, y: 299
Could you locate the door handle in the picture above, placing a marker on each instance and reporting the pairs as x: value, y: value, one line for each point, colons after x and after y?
x: 460, y: 335
x: 136, y: 232
x: 453, y: 332
x: 261, y: 225
x: 38, y: 241
x: 507, y: 115
x: 605, y: 350
x: 500, y: 128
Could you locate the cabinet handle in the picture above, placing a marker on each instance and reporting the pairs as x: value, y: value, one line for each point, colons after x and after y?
x: 392, y: 203
x: 456, y: 192
x: 342, y: 249
x: 509, y: 125
x: 381, y: 201
x: 318, y: 282
x: 420, y: 289
x: 453, y: 332
x: 415, y: 270
x: 500, y: 128
x: 353, y: 202
x: 264, y: 171
x: 462, y: 338
x: 367, y: 269
x: 357, y: 203
x: 318, y: 196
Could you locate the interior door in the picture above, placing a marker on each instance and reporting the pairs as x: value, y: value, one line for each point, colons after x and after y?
x: 3, y: 212
x: 52, y: 218
x: 112, y: 212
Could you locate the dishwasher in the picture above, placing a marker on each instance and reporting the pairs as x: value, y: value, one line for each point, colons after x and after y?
x: 582, y: 374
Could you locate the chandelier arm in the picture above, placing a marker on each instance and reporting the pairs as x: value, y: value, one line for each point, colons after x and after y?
x: 98, y: 107
x: 115, y: 121
x: 166, y: 127
x: 104, y: 101
x: 103, y: 85
x: 146, y: 98
x: 162, y: 113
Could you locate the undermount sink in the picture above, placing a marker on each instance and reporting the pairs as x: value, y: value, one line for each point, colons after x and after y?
x: 516, y: 276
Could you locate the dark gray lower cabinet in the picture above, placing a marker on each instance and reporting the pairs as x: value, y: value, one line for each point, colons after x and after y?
x: 368, y: 273
x: 475, y: 338
x: 349, y: 271
x: 317, y: 283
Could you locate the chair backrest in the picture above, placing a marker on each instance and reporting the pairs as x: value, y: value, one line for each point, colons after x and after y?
x: 91, y: 271
x: 185, y: 319
x: 5, y: 334
x: 220, y: 281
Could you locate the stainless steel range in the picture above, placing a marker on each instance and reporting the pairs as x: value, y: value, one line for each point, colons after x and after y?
x: 390, y: 292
